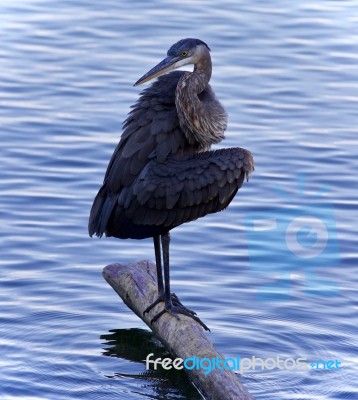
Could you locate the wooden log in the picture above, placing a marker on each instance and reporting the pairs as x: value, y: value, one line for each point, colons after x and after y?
x: 136, y: 284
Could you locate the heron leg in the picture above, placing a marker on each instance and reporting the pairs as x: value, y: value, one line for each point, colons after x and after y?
x: 161, y: 294
x: 172, y: 304
x: 158, y: 262
x: 165, y: 246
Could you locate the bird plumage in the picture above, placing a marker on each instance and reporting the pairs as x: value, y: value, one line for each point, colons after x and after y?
x: 163, y: 172
x: 156, y: 179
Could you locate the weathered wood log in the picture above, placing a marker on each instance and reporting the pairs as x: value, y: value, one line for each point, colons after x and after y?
x: 136, y: 284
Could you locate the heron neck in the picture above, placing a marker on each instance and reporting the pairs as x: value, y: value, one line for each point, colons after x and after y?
x: 202, y: 121
x: 203, y: 71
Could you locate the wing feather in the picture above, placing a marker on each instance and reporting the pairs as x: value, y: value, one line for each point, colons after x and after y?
x: 187, y: 187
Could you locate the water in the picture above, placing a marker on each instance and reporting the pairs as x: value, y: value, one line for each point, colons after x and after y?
x: 287, y: 75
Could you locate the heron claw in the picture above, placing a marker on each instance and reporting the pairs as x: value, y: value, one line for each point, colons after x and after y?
x: 174, y: 309
x: 175, y: 302
x: 180, y: 309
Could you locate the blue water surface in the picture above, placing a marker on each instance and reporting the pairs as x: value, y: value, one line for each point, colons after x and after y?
x: 275, y: 275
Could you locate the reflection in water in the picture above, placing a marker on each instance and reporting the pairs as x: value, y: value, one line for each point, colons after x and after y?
x: 134, y: 345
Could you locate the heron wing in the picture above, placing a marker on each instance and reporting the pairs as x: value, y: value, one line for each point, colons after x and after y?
x: 151, y: 130
x: 184, y: 188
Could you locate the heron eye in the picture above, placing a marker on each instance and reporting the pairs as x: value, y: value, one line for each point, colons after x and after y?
x: 184, y: 53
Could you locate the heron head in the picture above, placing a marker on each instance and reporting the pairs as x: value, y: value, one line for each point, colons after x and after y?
x: 184, y: 52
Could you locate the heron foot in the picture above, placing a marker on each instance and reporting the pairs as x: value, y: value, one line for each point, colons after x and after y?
x: 175, y: 302
x: 174, y: 310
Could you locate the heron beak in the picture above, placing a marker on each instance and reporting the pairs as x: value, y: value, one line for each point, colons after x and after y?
x: 166, y: 65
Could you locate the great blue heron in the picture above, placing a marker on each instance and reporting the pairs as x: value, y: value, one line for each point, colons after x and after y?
x: 162, y: 172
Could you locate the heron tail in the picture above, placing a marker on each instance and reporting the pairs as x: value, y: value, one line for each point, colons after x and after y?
x: 101, y: 210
